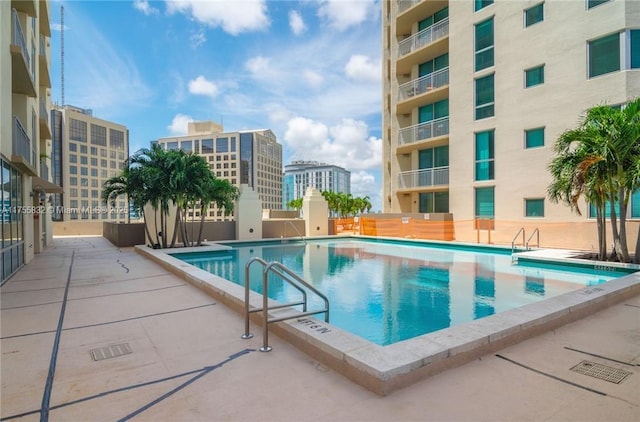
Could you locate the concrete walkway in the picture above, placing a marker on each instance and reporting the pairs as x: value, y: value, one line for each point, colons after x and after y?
x: 91, y: 332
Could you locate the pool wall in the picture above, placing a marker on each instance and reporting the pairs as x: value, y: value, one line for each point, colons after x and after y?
x: 383, y: 369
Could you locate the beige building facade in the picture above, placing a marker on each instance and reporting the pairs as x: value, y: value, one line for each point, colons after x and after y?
x: 250, y: 157
x: 25, y: 132
x: 477, y: 92
x: 86, y: 151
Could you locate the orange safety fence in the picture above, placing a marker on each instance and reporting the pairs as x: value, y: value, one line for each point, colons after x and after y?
x: 571, y: 235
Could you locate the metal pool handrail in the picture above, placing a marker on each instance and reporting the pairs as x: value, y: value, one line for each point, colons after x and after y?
x: 289, y: 277
x: 537, y: 233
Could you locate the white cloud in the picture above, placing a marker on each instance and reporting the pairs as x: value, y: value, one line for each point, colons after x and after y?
x: 364, y: 184
x: 296, y: 23
x: 179, y: 124
x: 346, y: 144
x: 202, y: 86
x: 342, y: 14
x: 360, y: 67
x: 260, y: 67
x: 145, y: 7
x: 197, y: 38
x: 234, y: 17
x: 314, y: 79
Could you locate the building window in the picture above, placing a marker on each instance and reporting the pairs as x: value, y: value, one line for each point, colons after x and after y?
x: 632, y: 212
x: 484, y: 44
x: 222, y: 145
x: 172, y: 146
x: 481, y: 4
x: 634, y: 42
x: 534, y: 138
x: 433, y: 202
x: 207, y: 146
x: 534, y: 76
x: 73, y: 170
x: 73, y: 158
x: 534, y: 207
x: 534, y: 15
x: 485, y: 157
x: 98, y: 135
x: 604, y: 55
x: 77, y: 130
x: 186, y: 146
x: 116, y: 139
x: 485, y: 202
x: 485, y: 97
x: 594, y: 3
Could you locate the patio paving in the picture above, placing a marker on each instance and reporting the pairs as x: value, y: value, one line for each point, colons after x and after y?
x: 182, y: 359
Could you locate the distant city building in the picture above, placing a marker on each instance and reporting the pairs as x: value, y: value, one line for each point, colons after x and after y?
x: 86, y: 151
x: 248, y: 157
x: 25, y: 133
x: 299, y: 175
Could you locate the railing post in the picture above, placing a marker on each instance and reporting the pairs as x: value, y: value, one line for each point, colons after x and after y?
x: 265, y: 310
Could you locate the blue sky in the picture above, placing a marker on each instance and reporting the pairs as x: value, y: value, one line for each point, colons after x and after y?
x: 308, y: 70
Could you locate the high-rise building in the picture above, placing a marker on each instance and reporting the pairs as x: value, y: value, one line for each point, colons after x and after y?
x: 477, y: 92
x: 248, y: 157
x: 25, y: 133
x: 299, y: 175
x: 86, y: 151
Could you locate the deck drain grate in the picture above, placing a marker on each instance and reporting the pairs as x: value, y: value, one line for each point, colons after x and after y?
x: 602, y: 372
x: 109, y: 352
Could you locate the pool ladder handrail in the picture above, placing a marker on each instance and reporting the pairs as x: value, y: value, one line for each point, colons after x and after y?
x: 536, y: 232
x: 284, y: 273
x: 513, y: 242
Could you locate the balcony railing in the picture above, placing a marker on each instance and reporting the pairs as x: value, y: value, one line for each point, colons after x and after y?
x: 43, y: 110
x: 422, y: 131
x: 406, y: 4
x: 18, y: 38
x: 44, y: 170
x: 438, y: 176
x: 22, y: 144
x: 424, y: 84
x: 424, y: 37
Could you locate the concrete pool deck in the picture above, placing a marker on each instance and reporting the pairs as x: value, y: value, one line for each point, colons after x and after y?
x: 178, y: 355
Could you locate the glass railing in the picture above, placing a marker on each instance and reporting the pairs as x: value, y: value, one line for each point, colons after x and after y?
x: 424, y: 84
x: 438, y: 176
x: 44, y: 170
x: 18, y: 38
x: 43, y: 110
x: 422, y: 131
x: 406, y: 4
x: 426, y: 36
x: 21, y: 143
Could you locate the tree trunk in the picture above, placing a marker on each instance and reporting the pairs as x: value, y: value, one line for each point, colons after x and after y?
x: 162, y: 227
x: 146, y: 227
x: 624, y: 201
x: 202, y: 211
x: 155, y: 224
x: 602, y: 234
x: 175, y: 229
x: 614, y: 231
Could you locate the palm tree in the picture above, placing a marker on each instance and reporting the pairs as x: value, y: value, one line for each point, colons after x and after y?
x: 219, y: 192
x: 296, y: 204
x: 597, y: 160
x: 128, y: 183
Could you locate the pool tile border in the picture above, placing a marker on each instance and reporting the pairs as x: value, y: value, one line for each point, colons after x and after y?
x: 383, y: 369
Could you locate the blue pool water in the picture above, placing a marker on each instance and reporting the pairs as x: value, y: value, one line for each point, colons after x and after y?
x: 387, y: 292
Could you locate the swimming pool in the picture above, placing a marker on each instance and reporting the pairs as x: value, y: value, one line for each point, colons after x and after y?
x: 390, y: 291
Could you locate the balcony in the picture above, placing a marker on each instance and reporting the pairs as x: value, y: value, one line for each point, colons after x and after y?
x: 424, y: 178
x: 45, y: 130
x: 23, y: 155
x: 423, y: 131
x: 423, y: 38
x: 44, y: 18
x: 45, y: 79
x: 412, y: 94
x: 22, y: 77
x: 404, y: 5
x: 44, y: 171
x: 25, y: 6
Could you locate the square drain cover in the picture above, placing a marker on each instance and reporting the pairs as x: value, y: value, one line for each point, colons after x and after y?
x: 602, y: 372
x: 109, y: 352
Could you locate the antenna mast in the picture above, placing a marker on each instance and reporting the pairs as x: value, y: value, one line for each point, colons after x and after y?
x: 62, y: 53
